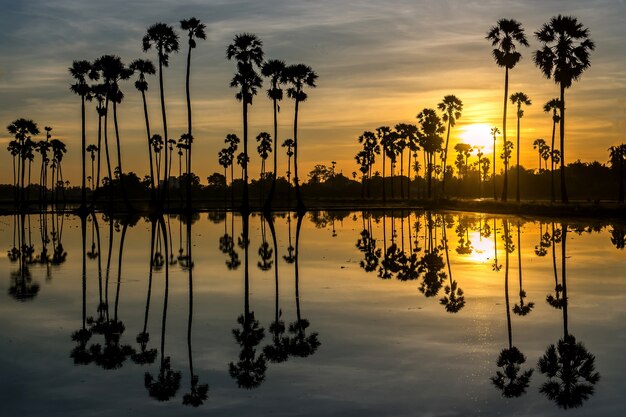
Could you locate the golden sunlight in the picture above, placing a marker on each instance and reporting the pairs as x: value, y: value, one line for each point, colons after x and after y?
x: 483, y: 248
x: 477, y: 135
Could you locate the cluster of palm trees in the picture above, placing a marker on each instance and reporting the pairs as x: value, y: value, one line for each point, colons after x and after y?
x: 247, y: 52
x: 23, y: 149
x: 393, y: 143
x: 563, y: 57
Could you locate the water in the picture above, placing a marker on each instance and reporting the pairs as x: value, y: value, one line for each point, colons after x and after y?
x: 391, y: 341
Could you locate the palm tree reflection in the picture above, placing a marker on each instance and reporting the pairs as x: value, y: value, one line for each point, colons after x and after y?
x: 508, y: 379
x: 249, y: 371
x: 569, y: 366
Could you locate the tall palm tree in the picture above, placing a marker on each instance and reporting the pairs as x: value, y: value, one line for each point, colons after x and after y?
x: 195, y: 30
x: 553, y: 105
x: 564, y: 57
x: 274, y: 69
x: 494, y: 132
x: 504, y: 36
x: 298, y: 77
x: 247, y: 51
x: 145, y: 67
x: 92, y: 149
x: 383, y: 134
x: 99, y: 94
x: 165, y: 41
x: 451, y: 106
x: 519, y: 99
x: 288, y: 143
x: 80, y: 70
x: 431, y: 129
x: 617, y: 155
x: 264, y: 148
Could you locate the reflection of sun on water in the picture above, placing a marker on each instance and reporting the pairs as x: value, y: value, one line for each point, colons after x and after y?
x: 482, y: 248
x: 477, y: 135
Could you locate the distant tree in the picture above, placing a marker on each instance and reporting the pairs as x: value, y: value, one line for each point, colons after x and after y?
x: 617, y: 155
x: 539, y: 145
x: 217, y: 180
x: 519, y: 99
x: 23, y: 130
x: 564, y: 57
x: 494, y: 132
x: 385, y: 139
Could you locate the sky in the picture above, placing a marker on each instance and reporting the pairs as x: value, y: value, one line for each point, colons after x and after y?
x: 379, y: 63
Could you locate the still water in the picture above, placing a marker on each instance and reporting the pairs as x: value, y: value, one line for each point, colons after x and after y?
x: 336, y: 313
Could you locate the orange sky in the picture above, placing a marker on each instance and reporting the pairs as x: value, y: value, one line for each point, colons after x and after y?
x: 378, y: 64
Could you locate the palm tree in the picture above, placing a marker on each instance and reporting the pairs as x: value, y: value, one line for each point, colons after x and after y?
x: 503, y: 36
x: 539, y: 145
x: 431, y: 129
x: 80, y: 70
x: 264, y: 149
x: 274, y: 69
x: 519, y: 99
x: 98, y: 92
x: 298, y: 77
x: 564, y: 57
x: 247, y: 50
x: 289, y: 144
x: 23, y: 130
x: 617, y: 157
x: 195, y: 30
x: 92, y: 149
x: 383, y: 134
x: 165, y: 41
x: 145, y: 67
x: 553, y: 106
x: 451, y: 106
x: 494, y: 132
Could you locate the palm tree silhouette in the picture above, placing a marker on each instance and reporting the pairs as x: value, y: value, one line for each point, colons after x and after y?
x: 145, y: 67
x: 80, y: 70
x: 195, y: 30
x: 165, y: 41
x: 563, y: 57
x: 385, y: 139
x: 569, y: 366
x: 454, y: 298
x: 555, y: 300
x: 430, y: 132
x: 274, y: 69
x: 289, y: 144
x: 298, y: 77
x: 617, y: 155
x: 451, y: 106
x: 553, y: 106
x: 519, y: 99
x: 503, y: 36
x: 98, y: 92
x: 80, y: 353
x: 539, y: 145
x: 264, y: 148
x: 509, y: 381
x: 247, y: 51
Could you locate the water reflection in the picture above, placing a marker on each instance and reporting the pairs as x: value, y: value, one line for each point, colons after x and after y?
x: 437, y: 258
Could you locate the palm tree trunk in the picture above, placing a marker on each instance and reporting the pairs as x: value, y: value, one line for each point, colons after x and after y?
x: 445, y: 158
x: 270, y: 197
x: 99, y: 149
x: 145, y: 112
x: 506, y: 284
x: 106, y: 149
x: 564, y: 198
x: 301, y: 207
x: 245, y: 203
x: 119, y: 157
x: 296, y: 268
x: 408, y: 170
x: 402, y: 174
x: 384, y: 193
x: 493, y: 175
x: 164, y: 115
x: 83, y: 190
x: 519, y: 260
x: 505, y: 186
x: 517, y: 193
x: 190, y: 139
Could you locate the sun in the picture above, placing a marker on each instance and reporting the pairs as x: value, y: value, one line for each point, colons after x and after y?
x: 478, y: 135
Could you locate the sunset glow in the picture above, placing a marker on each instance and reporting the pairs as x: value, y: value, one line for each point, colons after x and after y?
x: 478, y: 135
